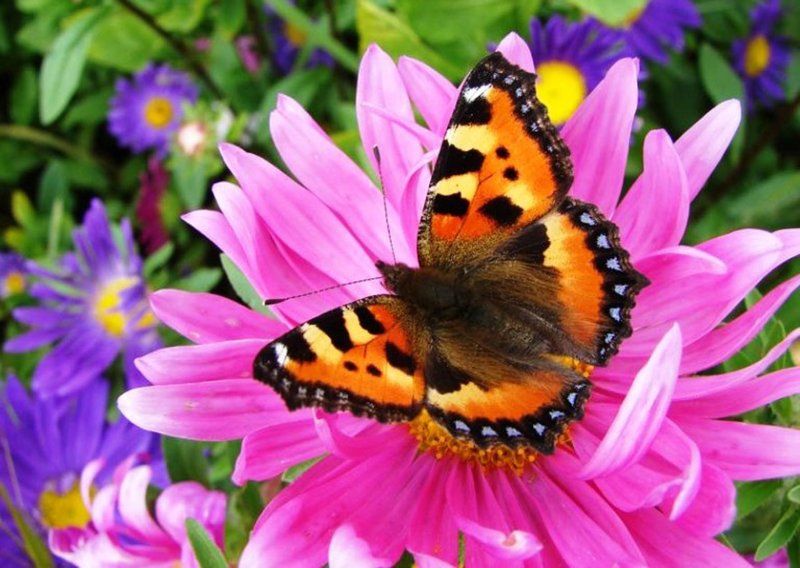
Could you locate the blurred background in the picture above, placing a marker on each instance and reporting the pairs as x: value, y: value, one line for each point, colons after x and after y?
x: 126, y: 100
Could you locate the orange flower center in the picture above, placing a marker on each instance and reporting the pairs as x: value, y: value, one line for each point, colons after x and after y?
x: 756, y: 56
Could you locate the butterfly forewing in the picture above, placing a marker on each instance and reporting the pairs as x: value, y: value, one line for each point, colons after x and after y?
x: 356, y: 358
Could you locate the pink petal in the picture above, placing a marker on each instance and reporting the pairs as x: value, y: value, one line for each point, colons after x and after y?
x: 214, y: 411
x: 215, y: 227
x: 349, y: 551
x: 432, y: 533
x: 133, y: 506
x: 654, y: 212
x: 642, y: 412
x: 714, y: 508
x: 372, y: 495
x: 746, y: 452
x: 579, y: 540
x: 667, y: 545
x: 702, y: 146
x: 272, y: 450
x: 743, y: 397
x: 429, y: 139
x: 725, y: 341
x: 208, y: 318
x: 379, y: 83
x: 599, y: 159
x: 311, y: 156
x: 190, y: 500
x: 432, y: 94
x: 198, y: 363
x: 516, y: 545
x: 516, y: 51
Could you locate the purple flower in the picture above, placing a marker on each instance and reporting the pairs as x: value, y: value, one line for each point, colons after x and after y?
x: 146, y: 110
x: 13, y: 274
x: 45, y: 445
x: 571, y: 59
x: 763, y: 56
x: 94, y: 306
x: 658, y: 26
x: 289, y: 41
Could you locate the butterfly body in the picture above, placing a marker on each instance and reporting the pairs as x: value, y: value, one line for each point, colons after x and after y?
x: 519, y: 289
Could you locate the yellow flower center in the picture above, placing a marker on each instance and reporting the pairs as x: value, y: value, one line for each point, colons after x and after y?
x: 63, y: 510
x: 756, y: 56
x: 561, y: 88
x: 434, y: 438
x: 14, y: 283
x: 158, y: 112
x: 107, y: 309
x: 294, y: 35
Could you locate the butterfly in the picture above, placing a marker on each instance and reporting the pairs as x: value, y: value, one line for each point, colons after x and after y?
x: 516, y: 282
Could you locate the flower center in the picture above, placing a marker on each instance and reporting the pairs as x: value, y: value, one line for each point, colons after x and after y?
x: 63, y: 510
x: 561, y: 87
x: 756, y: 56
x: 14, y: 283
x: 158, y: 112
x: 294, y: 35
x: 107, y: 305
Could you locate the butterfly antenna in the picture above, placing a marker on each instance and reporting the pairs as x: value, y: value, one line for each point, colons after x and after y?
x: 385, y: 203
x: 273, y: 301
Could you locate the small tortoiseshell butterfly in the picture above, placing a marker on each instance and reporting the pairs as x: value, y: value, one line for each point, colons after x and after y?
x: 515, y: 278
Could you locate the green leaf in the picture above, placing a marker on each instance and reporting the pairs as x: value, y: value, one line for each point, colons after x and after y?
x: 34, y: 547
x: 183, y: 16
x: 376, y: 25
x: 205, y: 549
x: 780, y: 534
x: 794, y: 494
x: 297, y: 470
x: 244, y: 508
x: 437, y: 22
x: 719, y: 79
x: 242, y: 286
x: 793, y: 77
x: 23, y: 96
x: 185, y: 460
x: 230, y: 17
x: 158, y: 259
x: 611, y: 12
x: 200, y: 280
x: 750, y: 496
x: 53, y: 185
x: 191, y: 179
x: 122, y: 41
x: 63, y: 65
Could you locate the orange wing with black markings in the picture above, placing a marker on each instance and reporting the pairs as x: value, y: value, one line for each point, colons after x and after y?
x: 356, y: 358
x: 501, y: 166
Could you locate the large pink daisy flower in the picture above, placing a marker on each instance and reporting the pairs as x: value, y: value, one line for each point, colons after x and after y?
x: 645, y: 478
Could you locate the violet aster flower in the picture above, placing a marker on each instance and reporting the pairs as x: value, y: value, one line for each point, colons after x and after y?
x: 147, y: 109
x: 288, y: 41
x: 93, y: 306
x: 646, y: 478
x: 658, y: 27
x: 122, y: 530
x: 571, y: 59
x: 13, y: 274
x: 763, y: 57
x: 45, y: 444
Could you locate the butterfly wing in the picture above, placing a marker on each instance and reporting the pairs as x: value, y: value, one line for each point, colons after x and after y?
x: 501, y: 164
x: 357, y: 358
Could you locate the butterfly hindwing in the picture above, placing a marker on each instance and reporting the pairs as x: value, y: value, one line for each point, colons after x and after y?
x: 356, y: 358
x: 501, y: 164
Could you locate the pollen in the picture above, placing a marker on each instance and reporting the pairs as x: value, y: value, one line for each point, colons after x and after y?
x: 158, y: 112
x: 756, y: 56
x: 63, y: 510
x: 561, y: 87
x: 108, y: 309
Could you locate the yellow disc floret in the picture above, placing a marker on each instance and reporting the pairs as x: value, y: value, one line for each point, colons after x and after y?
x: 107, y: 309
x: 756, y: 56
x: 294, y: 35
x: 158, y: 112
x: 14, y: 283
x: 62, y: 510
x: 561, y: 87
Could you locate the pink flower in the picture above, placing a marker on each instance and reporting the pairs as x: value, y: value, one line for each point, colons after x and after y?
x: 647, y: 475
x: 122, y: 531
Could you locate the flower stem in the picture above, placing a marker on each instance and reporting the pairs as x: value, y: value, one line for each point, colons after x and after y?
x: 44, y: 138
x: 316, y: 34
x: 179, y: 46
x: 255, y: 13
